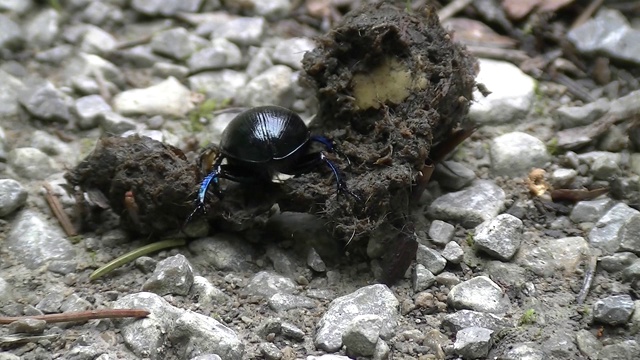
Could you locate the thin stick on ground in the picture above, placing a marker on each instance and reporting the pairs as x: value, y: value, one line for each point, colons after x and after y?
x: 587, y: 13
x: 59, y: 213
x: 81, y: 315
x: 588, y: 279
x: 453, y: 8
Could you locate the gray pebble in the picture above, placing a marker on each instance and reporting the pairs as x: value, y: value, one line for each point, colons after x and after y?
x: 222, y: 252
x: 270, y: 351
x: 473, y: 342
x: 90, y: 109
x: 114, y: 123
x: 314, y: 261
x: 500, y: 237
x: 51, y: 303
x: 290, y: 52
x: 97, y: 41
x: 453, y: 175
x: 34, y: 241
x: 242, y: 31
x: 588, y: 343
x: 604, y: 168
x: 549, y: 256
x: 527, y: 351
x: 31, y: 163
x: 174, y: 43
x: 172, y: 275
x: 573, y: 116
x: 74, y: 303
x: 164, y: 70
x: 479, y: 294
x: 10, y: 89
x: 267, y: 284
x: 617, y: 262
x: 28, y: 326
x: 606, y: 234
x: 11, y: 35
x: 165, y: 7
x: 613, y: 310
x: 515, y: 154
x: 42, y: 29
x: 219, y: 85
x: 361, y: 336
x: 221, y: 54
x: 453, y: 252
x: 628, y: 349
x: 590, y: 210
x: 12, y: 196
x: 168, y: 97
x: 441, y: 232
x: 272, y: 86
x: 430, y: 259
x: 482, y: 201
x: 422, y: 278
x: 284, y: 302
x: 44, y: 101
x: 199, y: 334
x: 206, y: 293
x: 370, y: 300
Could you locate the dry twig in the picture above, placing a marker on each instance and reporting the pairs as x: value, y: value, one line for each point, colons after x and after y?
x: 56, y: 207
x: 81, y: 315
x: 587, y: 13
x: 452, y: 8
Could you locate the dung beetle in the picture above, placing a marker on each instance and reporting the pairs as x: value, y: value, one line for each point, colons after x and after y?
x: 262, y: 142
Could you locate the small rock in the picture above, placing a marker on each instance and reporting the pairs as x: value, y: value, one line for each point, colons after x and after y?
x: 172, y: 275
x: 220, y: 85
x: 243, y: 31
x: 43, y: 28
x: 89, y: 110
x: 447, y: 279
x: 114, y: 123
x: 482, y: 201
x: 10, y: 89
x: 473, y: 342
x: 430, y: 259
x: 165, y: 8
x: 588, y: 344
x: 221, y: 54
x: 440, y: 232
x: 500, y: 237
x: 199, y: 334
x: 628, y: 349
x: 28, y: 326
x: 63, y: 267
x: 515, y: 154
x: 272, y: 86
x: 97, y: 41
x: 562, y: 177
x: 314, y: 261
x: 176, y: 43
x: 617, y: 262
x: 453, y: 253
x: 607, y: 233
x: 609, y: 33
x: 291, y: 51
x: 382, y: 351
x: 290, y: 331
x: 168, y: 98
x: 74, y: 303
x: 222, y: 251
x: 283, y: 263
x: 613, y: 310
x: 573, y: 116
x: 453, y: 175
x: 479, y: 294
x: 560, y: 345
x: 259, y: 61
x: 267, y: 284
x: 31, y: 163
x: 527, y: 351
x: 284, y: 302
x: 44, y: 101
x: 270, y: 351
x: 51, y: 303
x: 371, y: 300
x: 604, y: 168
x: 590, y: 210
x: 552, y: 255
x: 422, y: 278
x: 11, y: 36
x: 12, y: 196
x: 165, y: 70
x: 34, y: 241
x: 361, y: 336
x: 205, y: 292
x: 509, y: 100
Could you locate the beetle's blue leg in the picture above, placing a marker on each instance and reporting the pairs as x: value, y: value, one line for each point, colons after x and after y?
x: 330, y: 146
x: 342, y: 185
x: 202, y: 192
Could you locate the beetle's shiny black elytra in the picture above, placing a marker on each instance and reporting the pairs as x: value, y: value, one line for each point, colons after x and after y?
x: 261, y: 142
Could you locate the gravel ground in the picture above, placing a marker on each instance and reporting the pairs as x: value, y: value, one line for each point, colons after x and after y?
x: 499, y: 269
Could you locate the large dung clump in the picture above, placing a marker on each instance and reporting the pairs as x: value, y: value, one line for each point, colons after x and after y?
x: 390, y: 86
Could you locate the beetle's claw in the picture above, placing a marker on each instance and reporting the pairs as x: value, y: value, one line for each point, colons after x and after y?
x: 342, y: 188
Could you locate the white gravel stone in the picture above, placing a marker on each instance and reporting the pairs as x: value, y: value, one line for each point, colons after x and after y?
x: 273, y: 86
x: 479, y: 294
x: 221, y: 54
x: 12, y: 196
x: 473, y: 342
x: 453, y: 252
x: 482, y: 201
x: 174, y: 43
x: 441, y: 232
x: 31, y: 163
x: 500, y: 237
x: 291, y: 51
x: 218, y: 85
x: 242, y: 31
x: 430, y: 259
x: 512, y: 93
x: 515, y: 154
x: 549, y: 256
x: 43, y: 28
x: 97, y: 41
x: 606, y: 234
x: 168, y: 98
